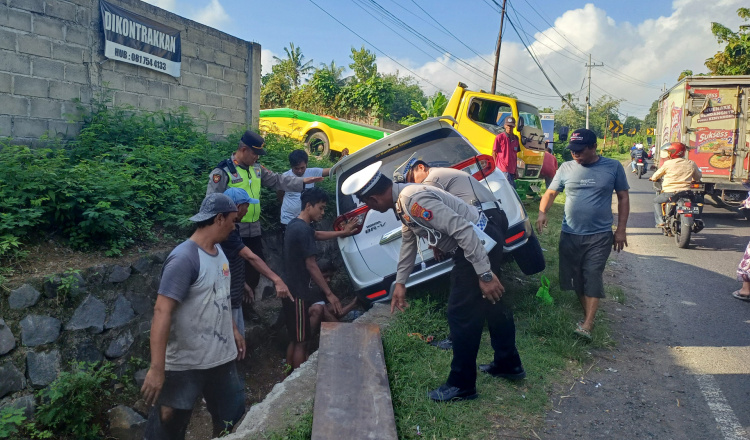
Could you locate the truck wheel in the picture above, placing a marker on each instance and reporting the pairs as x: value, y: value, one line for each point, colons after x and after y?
x: 317, y: 144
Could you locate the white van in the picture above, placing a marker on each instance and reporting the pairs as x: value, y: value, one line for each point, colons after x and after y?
x: 371, y: 254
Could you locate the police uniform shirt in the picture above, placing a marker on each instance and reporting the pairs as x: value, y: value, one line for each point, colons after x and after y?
x: 460, y: 184
x: 218, y: 181
x: 443, y: 219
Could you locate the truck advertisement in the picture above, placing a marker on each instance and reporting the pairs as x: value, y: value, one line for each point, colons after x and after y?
x: 548, y: 126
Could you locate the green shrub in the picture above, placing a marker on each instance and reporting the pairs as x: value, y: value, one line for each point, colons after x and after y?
x: 11, y: 420
x: 73, y: 405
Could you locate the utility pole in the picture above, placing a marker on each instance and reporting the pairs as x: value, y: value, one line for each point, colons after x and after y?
x: 588, y: 96
x: 497, y: 50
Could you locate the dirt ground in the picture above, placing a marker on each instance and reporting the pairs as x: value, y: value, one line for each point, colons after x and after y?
x: 632, y: 390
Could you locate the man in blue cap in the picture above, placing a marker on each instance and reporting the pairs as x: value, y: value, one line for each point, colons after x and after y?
x: 242, y: 170
x: 237, y: 254
x: 586, y: 238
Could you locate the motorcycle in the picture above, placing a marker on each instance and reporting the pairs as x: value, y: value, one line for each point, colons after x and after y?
x: 640, y: 167
x: 682, y: 213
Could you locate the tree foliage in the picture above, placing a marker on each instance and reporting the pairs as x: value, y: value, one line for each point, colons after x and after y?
x: 735, y: 58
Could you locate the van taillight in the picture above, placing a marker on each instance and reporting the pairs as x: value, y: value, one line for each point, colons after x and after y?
x: 360, y: 213
x: 484, y: 162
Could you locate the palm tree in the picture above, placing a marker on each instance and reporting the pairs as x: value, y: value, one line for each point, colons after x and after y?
x: 333, y: 70
x: 296, y: 62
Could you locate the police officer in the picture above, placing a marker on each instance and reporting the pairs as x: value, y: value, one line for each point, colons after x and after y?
x: 242, y: 170
x: 446, y: 222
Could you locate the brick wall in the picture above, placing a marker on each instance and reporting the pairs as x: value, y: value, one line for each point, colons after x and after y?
x: 51, y: 52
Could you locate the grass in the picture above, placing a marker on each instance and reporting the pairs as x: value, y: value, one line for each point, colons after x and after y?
x: 545, y: 340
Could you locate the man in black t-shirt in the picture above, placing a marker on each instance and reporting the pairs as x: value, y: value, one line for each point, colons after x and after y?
x: 300, y: 268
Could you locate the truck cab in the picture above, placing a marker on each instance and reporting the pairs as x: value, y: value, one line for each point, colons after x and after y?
x: 479, y: 117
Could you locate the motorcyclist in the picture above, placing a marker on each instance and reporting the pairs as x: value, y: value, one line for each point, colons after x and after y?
x: 677, y: 173
x: 638, y: 153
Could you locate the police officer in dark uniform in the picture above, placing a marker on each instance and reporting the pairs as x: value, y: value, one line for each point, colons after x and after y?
x: 242, y: 170
x: 453, y: 227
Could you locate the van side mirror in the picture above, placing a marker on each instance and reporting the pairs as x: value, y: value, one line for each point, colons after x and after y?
x: 520, y: 124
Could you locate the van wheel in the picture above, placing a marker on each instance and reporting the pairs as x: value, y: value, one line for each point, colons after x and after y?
x: 317, y: 144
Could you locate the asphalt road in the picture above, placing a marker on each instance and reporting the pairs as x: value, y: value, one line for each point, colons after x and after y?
x: 707, y: 329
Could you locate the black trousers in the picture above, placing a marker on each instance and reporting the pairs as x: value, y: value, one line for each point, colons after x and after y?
x: 255, y: 244
x: 467, y: 313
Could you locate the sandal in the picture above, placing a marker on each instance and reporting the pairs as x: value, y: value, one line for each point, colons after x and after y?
x: 582, y: 332
x: 740, y: 296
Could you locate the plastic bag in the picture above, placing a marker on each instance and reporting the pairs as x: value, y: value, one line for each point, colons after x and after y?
x: 543, y: 292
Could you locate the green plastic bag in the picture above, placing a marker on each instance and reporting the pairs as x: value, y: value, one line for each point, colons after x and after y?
x: 543, y: 292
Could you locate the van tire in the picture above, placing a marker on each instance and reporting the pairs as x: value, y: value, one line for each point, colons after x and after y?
x: 317, y: 144
x: 529, y: 257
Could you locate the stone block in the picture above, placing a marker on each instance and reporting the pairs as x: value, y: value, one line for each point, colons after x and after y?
x: 24, y: 127
x: 150, y: 103
x: 125, y: 98
x: 23, y: 297
x: 6, y: 83
x: 229, y: 127
x: 196, y: 96
x: 15, y: 19
x: 215, y: 71
x: 88, y: 352
x: 33, y: 45
x: 120, y: 345
x: 59, y: 9
x: 134, y: 84
x: 44, y: 108
x: 46, y: 68
x: 15, y: 105
x: 64, y: 91
x: 122, y: 313
x: 114, y: 80
x: 25, y: 403
x: 77, y: 73
x: 190, y: 80
x: 15, y: 63
x: 69, y: 110
x: 6, y: 125
x: 213, y: 99
x: 63, y: 129
x: 207, y: 54
x: 158, y: 88
x: 119, y: 274
x: 28, y: 5
x: 223, y: 59
x: 24, y: 85
x: 232, y: 103
x: 125, y: 423
x: 43, y: 368
x: 77, y: 35
x: 67, y: 53
x: 83, y: 16
x: 48, y: 27
x: 189, y: 50
x: 198, y: 67
x: 11, y: 380
x: 38, y: 330
x: 170, y: 104
x: 211, y: 41
x: 7, y: 40
x: 88, y: 316
x: 224, y: 88
x: 238, y: 116
x: 7, y: 340
x: 208, y: 112
x: 193, y: 110
x: 208, y: 84
x: 177, y: 92
x: 238, y: 64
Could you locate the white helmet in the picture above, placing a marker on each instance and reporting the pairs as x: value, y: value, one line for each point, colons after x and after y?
x: 639, y: 146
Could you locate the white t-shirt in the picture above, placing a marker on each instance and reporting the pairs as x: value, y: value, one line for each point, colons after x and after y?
x: 291, y: 205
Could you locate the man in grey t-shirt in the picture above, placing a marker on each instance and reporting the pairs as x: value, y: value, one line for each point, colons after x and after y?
x: 193, y: 339
x: 586, y: 238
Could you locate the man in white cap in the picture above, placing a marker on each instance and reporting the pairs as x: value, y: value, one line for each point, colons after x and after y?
x: 447, y: 223
x: 187, y: 359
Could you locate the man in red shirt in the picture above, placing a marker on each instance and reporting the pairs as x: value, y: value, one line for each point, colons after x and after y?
x: 505, y: 150
x: 549, y: 167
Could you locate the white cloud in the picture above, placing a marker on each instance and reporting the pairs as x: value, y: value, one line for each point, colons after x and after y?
x: 169, y: 5
x: 266, y: 61
x: 654, y: 51
x: 213, y: 14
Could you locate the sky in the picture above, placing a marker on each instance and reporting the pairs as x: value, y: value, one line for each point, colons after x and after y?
x: 643, y: 44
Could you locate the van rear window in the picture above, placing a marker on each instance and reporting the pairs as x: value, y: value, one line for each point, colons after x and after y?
x: 439, y: 148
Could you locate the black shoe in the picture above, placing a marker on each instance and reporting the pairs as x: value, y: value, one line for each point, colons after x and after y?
x: 445, y: 344
x: 516, y: 373
x: 447, y: 393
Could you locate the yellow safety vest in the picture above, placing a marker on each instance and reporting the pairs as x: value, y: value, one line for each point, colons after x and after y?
x: 252, y: 186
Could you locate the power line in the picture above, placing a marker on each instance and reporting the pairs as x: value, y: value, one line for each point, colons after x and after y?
x: 375, y: 47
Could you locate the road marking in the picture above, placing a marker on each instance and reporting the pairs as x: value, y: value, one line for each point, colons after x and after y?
x: 725, y: 418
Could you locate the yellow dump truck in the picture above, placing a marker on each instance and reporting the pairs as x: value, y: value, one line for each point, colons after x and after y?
x: 321, y: 134
x: 479, y: 118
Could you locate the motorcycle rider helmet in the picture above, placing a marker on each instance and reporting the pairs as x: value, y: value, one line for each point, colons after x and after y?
x: 639, y: 146
x: 676, y: 150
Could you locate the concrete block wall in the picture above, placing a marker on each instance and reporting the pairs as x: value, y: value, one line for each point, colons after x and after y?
x: 51, y: 52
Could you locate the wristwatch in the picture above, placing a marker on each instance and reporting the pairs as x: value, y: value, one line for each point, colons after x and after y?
x: 486, y: 277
